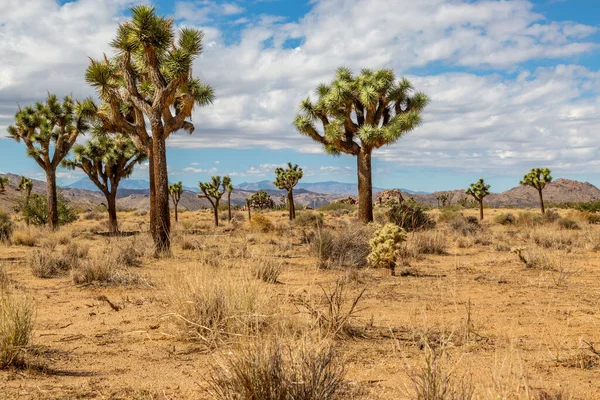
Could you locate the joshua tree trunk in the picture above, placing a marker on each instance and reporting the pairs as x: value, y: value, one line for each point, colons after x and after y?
x: 52, y: 199
x: 542, y: 201
x: 291, y: 205
x: 216, y: 213
x: 161, y: 195
x: 229, y: 206
x: 176, y: 214
x: 111, y: 199
x: 481, y: 209
x: 365, y: 188
x: 249, y: 214
x: 152, y: 195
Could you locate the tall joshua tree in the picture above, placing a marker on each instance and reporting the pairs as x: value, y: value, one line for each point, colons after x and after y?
x: 49, y: 130
x: 106, y: 160
x: 286, y: 180
x: 359, y: 114
x: 538, y: 178
x: 176, y: 190
x: 213, y: 191
x: 26, y: 184
x: 229, y: 188
x: 3, y: 183
x: 479, y: 191
x: 148, y: 92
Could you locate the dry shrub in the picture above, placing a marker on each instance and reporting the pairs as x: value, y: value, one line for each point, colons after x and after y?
x: 214, y: 306
x: 410, y: 216
x: 188, y: 243
x: 465, y: 225
x: 261, y: 223
x: 45, y: 263
x: 348, y: 248
x: 16, y: 327
x: 6, y: 227
x: 92, y: 216
x: 308, y: 219
x: 528, y: 218
x: 271, y: 371
x: 429, y: 242
x: 535, y: 259
x: 4, y: 279
x: 505, y: 219
x: 28, y: 237
x: 568, y: 223
x: 553, y: 239
x: 268, y: 270
x: 106, y: 268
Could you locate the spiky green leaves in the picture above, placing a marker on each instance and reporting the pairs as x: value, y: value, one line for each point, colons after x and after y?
x: 478, y: 190
x: 537, y: 178
x: 215, y: 188
x: 3, y: 183
x: 176, y: 190
x: 287, y: 179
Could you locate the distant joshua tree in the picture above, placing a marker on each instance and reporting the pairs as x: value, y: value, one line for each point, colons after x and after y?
x: 229, y: 188
x: 49, y: 131
x: 176, y: 190
x: 106, y: 160
x: 213, y: 191
x: 359, y: 114
x: 26, y: 184
x: 286, y: 180
x: 3, y: 182
x: 479, y: 191
x: 261, y: 200
x: 538, y: 178
x: 443, y: 199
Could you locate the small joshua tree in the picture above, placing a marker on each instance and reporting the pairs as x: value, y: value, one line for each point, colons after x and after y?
x: 261, y: 200
x: 49, y: 130
x: 213, y: 191
x: 538, y: 178
x: 176, y: 190
x: 442, y: 199
x: 229, y: 188
x: 26, y: 185
x: 479, y: 191
x: 3, y: 182
x: 107, y: 160
x: 385, y: 247
x: 286, y: 180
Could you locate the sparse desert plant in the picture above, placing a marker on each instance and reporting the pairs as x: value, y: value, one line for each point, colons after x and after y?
x: 479, y: 191
x: 16, y: 327
x: 534, y: 259
x: 538, y: 178
x: 568, y: 223
x: 45, y: 263
x: 465, y: 225
x: 271, y: 371
x: 105, y: 268
x: 410, y: 216
x: 505, y: 219
x: 287, y: 179
x: 429, y: 242
x: 27, y: 237
x: 321, y: 245
x: 3, y: 183
x: 35, y: 210
x: 261, y: 223
x: 336, y: 206
x: 308, y: 219
x: 7, y: 227
x: 268, y: 270
x: 385, y: 247
x: 214, y: 307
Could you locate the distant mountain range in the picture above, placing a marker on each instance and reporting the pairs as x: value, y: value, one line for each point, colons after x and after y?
x: 329, y: 187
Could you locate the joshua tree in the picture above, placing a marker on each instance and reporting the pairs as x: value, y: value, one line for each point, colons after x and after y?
x: 538, y: 178
x: 149, y: 92
x: 213, y: 191
x: 45, y: 128
x: 248, y: 207
x: 3, y: 182
x: 442, y: 199
x: 286, y: 180
x: 479, y: 190
x: 176, y: 190
x: 106, y: 160
x: 26, y: 184
x: 359, y: 114
x: 261, y: 200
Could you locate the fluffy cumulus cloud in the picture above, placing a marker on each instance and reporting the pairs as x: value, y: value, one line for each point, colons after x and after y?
x: 493, y: 104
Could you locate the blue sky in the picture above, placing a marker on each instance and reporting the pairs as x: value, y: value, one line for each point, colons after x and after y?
x: 514, y: 84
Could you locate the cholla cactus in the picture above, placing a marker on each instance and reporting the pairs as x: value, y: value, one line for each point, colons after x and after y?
x: 538, y: 178
x: 479, y: 190
x: 385, y: 246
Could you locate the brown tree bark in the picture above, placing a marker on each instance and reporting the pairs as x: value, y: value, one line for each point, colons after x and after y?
x: 52, y: 198
x: 291, y: 205
x: 229, y: 206
x: 216, y: 214
x: 176, y: 214
x: 111, y: 199
x: 542, y: 201
x: 152, y: 195
x: 365, y: 187
x: 481, y: 209
x: 161, y: 195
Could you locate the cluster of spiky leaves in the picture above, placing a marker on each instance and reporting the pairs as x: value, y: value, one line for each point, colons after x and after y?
x: 215, y: 188
x: 478, y: 190
x: 151, y: 72
x: 537, y: 178
x: 260, y: 200
x: 385, y: 246
x: 106, y: 160
x: 176, y: 190
x: 26, y: 184
x: 3, y: 182
x: 287, y: 178
x: 43, y: 127
x: 371, y: 110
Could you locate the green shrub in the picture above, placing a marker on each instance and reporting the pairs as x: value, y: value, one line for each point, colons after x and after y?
x: 505, y: 219
x: 35, y: 211
x: 410, y: 216
x: 6, y: 227
x: 308, y: 219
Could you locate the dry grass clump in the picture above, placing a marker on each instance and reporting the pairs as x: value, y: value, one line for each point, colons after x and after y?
x: 261, y: 223
x: 465, y: 225
x: 4, y: 279
x: 308, y: 219
x: 535, y: 259
x: 505, y: 219
x: 271, y: 371
x: 348, y: 248
x: 25, y: 237
x: 6, y: 227
x: 429, y: 242
x: 106, y: 268
x: 568, y: 223
x: 92, y: 216
x: 16, y: 327
x: 553, y: 239
x: 45, y: 263
x: 189, y: 243
x: 214, y: 306
x: 268, y: 270
x: 528, y: 218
